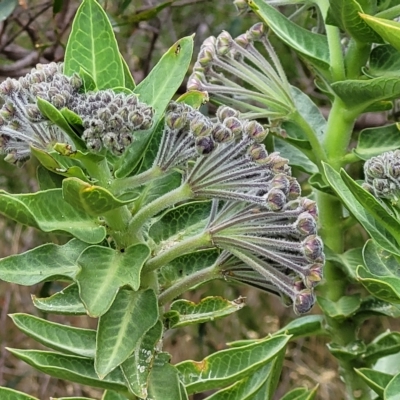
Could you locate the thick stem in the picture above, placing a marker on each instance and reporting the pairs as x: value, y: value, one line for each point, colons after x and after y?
x: 356, y: 57
x: 184, y: 284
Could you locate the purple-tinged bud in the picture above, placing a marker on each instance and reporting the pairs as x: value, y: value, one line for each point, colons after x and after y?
x: 294, y: 189
x: 277, y: 163
x: 104, y: 114
x: 175, y: 120
x: 15, y: 125
x: 131, y: 100
x: 394, y: 170
x: 382, y: 187
x: 147, y: 123
x: 256, y: 32
x: 292, y: 205
x: 9, y: 86
x: 33, y: 113
x: 94, y: 144
x: 255, y: 130
x: 275, y: 199
x: 258, y: 153
x: 224, y: 112
x: 8, y: 111
x: 206, y: 55
x: 314, y: 276
x: 194, y: 83
x: 200, y: 125
x: 210, y: 41
x: 243, y: 40
x: 135, y: 118
x: 281, y: 181
x: 125, y: 138
x: 310, y: 206
x: 375, y: 169
x: 313, y: 249
x: 205, y: 145
x: 304, y: 301
x: 58, y: 101
x: 305, y: 224
x: 221, y: 133
x: 223, y: 43
x: 76, y: 82
x: 234, y: 124
x: 241, y: 5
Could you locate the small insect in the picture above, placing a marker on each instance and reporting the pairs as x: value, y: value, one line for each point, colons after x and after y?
x: 178, y: 49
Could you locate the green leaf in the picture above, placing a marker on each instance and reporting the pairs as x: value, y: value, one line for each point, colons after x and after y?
x: 70, y: 368
x: 46, y: 262
x: 73, y: 119
x: 392, y: 390
x: 376, y: 380
x: 185, y: 312
x: 48, y: 179
x: 385, y: 344
x: 308, y: 325
x: 227, y: 366
x: 383, y: 237
x: 384, y: 60
x: 164, y: 384
x: 387, y: 29
x: 129, y: 81
x: 380, y: 275
x: 157, y: 90
x: 111, y: 395
x: 103, y: 271
x: 6, y: 8
x: 347, y: 15
x: 91, y: 199
x: 301, y: 394
x: 93, y: 47
x: 194, y: 98
x: 63, y: 338
x: 373, y: 306
x: 121, y: 328
x: 179, y: 219
x: 55, y: 116
x: 88, y: 82
x: 11, y: 394
x: 348, y: 261
x: 48, y: 212
x: 342, y: 309
x: 66, y: 302
x: 137, y: 367
x: 375, y: 141
x: 360, y: 94
x: 351, y: 351
x: 312, y: 46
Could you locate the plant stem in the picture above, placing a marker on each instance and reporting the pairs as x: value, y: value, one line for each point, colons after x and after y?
x: 184, y: 284
x: 356, y: 57
x: 181, y: 193
x: 191, y: 244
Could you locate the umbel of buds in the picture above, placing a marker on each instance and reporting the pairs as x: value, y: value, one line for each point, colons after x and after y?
x: 382, y: 176
x: 234, y: 72
x: 109, y: 119
x: 267, y: 232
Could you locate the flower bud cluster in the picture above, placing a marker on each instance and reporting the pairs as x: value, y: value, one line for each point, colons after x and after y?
x: 222, y: 61
x: 110, y: 119
x: 382, y: 176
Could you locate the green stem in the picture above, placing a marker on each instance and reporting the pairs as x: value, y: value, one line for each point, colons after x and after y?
x: 181, y: 193
x: 184, y: 284
x: 356, y: 57
x: 189, y: 245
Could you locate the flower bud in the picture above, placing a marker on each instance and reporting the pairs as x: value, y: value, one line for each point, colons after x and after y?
x: 58, y: 101
x: 194, y: 83
x: 94, y: 144
x: 205, y: 145
x: 125, y: 138
x: 310, y: 206
x: 206, y: 55
x: 234, y: 125
x: 200, y: 125
x: 256, y: 32
x: 277, y: 163
x: 304, y: 301
x: 314, y: 275
x: 135, y: 118
x: 305, y: 224
x: 8, y: 111
x: 175, y: 120
x: 243, y: 40
x: 294, y: 189
x: 313, y: 248
x: 221, y: 133
x: 275, y: 199
x: 226, y: 112
x: 375, y: 169
x: 223, y: 43
x: 76, y: 82
x: 258, y: 153
x: 33, y: 113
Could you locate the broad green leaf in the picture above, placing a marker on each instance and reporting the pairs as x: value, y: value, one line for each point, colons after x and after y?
x: 360, y: 94
x: 385, y: 344
x: 342, y: 309
x: 111, y: 395
x: 374, y: 207
x: 63, y: 338
x: 137, y: 367
x: 49, y: 212
x: 66, y: 302
x: 103, y: 271
x: 93, y: 47
x: 48, y: 179
x: 387, y: 29
x: 70, y: 368
x: 384, y: 60
x: 312, y: 46
x: 304, y: 326
x: 88, y: 82
x: 46, y: 262
x: 73, y: 119
x: 179, y: 219
x: 11, y: 394
x: 186, y: 265
x: 122, y: 327
x: 164, y: 384
x: 351, y: 351
x: 194, y: 98
x: 227, y: 366
x: 184, y: 312
x: 373, y: 306
x: 376, y: 380
x: 347, y: 15
x: 301, y: 394
x: 129, y: 81
x: 260, y: 385
x: 91, y: 199
x: 157, y: 90
x: 58, y: 164
x: 377, y: 232
x: 392, y: 390
x: 380, y: 275
x: 348, y: 261
x: 55, y: 116
x: 375, y: 141
x: 6, y: 8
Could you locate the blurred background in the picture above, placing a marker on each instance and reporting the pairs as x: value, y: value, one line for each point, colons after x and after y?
x: 37, y: 31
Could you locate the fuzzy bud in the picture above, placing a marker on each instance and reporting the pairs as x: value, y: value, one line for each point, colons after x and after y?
x: 206, y: 55
x: 234, y: 125
x: 304, y: 301
x: 221, y: 133
x: 313, y: 248
x: 275, y: 199
x: 314, y: 276
x: 256, y: 32
x: 223, y: 43
x: 205, y: 145
x: 294, y: 189
x: 243, y: 40
x: 200, y: 125
x: 306, y: 225
x: 224, y: 112
x: 258, y: 153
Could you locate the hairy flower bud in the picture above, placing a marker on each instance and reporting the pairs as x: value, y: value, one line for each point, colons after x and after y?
x: 223, y: 43
x: 205, y: 145
x: 275, y: 199
x: 313, y: 248
x: 305, y: 224
x: 304, y: 301
x: 256, y: 32
x: 224, y: 112
x: 258, y: 153
x: 222, y: 134
x: 200, y: 125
